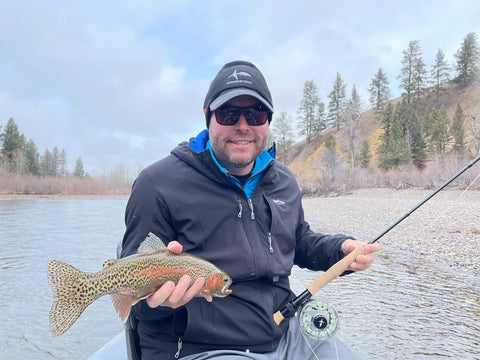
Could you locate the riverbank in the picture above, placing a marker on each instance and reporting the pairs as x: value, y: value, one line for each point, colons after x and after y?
x: 445, y: 229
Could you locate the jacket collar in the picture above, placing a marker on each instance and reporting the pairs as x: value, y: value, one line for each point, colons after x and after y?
x: 202, y: 143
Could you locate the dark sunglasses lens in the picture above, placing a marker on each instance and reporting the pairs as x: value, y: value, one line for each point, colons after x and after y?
x: 229, y: 116
x: 255, y: 117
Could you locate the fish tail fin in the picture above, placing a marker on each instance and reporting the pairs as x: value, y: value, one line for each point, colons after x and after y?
x: 70, y: 298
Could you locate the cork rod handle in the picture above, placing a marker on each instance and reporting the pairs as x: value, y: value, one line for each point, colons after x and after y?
x: 335, y: 270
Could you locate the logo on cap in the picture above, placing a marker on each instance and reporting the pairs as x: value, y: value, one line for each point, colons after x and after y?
x: 236, y: 74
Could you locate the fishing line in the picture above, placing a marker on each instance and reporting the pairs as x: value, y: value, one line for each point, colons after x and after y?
x: 339, y: 267
x: 310, y: 346
x: 313, y: 351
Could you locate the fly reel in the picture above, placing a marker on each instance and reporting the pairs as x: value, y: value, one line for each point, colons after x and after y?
x: 318, y: 319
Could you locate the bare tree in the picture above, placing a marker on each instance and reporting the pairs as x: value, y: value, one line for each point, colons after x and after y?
x: 475, y: 129
x: 349, y: 118
x: 282, y: 134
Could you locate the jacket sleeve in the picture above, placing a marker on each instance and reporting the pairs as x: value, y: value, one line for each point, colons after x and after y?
x: 317, y: 251
x: 145, y: 213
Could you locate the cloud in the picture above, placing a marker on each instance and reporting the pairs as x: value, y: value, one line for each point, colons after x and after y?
x: 121, y: 81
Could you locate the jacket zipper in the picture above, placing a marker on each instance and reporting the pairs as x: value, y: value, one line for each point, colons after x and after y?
x: 240, y: 208
x: 250, y: 205
x: 269, y: 236
x: 179, y: 347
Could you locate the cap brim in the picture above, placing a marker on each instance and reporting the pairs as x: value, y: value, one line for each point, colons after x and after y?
x: 233, y: 93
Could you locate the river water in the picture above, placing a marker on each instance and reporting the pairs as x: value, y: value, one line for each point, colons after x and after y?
x: 404, y: 307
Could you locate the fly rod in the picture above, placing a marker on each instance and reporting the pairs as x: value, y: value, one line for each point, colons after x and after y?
x: 339, y: 267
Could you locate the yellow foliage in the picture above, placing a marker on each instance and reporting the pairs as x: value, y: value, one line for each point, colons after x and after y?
x: 376, y: 142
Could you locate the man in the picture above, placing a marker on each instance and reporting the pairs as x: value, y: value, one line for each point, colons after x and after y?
x: 223, y: 197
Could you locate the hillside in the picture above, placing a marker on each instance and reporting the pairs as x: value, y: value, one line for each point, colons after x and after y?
x: 305, y: 160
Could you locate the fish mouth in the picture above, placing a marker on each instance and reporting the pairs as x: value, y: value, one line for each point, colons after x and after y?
x: 225, y: 291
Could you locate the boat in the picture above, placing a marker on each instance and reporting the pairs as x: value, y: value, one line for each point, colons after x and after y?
x: 115, y: 349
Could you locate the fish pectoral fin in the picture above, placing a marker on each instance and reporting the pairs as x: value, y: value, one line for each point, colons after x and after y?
x: 123, y: 304
x: 207, y: 294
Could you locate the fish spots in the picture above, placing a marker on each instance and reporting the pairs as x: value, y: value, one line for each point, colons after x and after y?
x: 160, y: 271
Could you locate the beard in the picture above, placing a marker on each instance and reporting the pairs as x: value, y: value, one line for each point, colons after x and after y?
x: 236, y: 160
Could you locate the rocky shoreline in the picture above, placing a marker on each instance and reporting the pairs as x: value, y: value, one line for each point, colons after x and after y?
x: 444, y: 229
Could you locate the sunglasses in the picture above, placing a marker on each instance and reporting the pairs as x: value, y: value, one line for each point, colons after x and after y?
x: 229, y: 115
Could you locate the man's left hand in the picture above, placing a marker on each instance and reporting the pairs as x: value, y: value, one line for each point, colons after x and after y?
x: 362, y: 262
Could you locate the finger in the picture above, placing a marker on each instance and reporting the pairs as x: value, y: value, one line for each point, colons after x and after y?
x: 362, y: 262
x: 161, y: 295
x: 194, y: 289
x: 371, y: 248
x: 175, y: 247
x: 179, y: 290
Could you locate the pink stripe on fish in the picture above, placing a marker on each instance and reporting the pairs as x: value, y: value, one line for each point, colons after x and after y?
x: 160, y: 271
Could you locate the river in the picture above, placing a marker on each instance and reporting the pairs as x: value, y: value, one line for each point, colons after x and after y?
x: 404, y: 307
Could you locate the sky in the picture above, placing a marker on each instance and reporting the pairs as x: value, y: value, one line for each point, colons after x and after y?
x: 123, y: 82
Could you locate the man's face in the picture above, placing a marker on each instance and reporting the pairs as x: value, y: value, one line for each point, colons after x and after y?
x: 237, y: 146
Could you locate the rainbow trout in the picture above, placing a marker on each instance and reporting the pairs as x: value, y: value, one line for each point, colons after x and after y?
x: 127, y: 280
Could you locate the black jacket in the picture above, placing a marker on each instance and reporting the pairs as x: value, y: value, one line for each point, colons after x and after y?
x: 255, y: 234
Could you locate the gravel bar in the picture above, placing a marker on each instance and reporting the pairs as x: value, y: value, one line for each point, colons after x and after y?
x: 446, y: 228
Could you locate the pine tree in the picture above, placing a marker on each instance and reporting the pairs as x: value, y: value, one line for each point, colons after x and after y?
x: 420, y: 78
x: 62, y: 163
x: 282, y: 135
x: 55, y: 161
x: 33, y: 158
x: 13, y: 143
x: 438, y: 139
x: 330, y: 158
x: 397, y: 145
x: 365, y: 155
x: 412, y: 133
x: 47, y: 165
x: 411, y: 63
x: 337, y: 101
x: 79, y: 171
x: 379, y: 90
x: 467, y: 59
x: 457, y: 131
x: 439, y: 73
x: 310, y: 113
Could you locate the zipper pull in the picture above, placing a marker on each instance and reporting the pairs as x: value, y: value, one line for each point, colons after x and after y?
x: 250, y: 205
x: 270, y: 242
x: 240, y: 208
x: 179, y: 347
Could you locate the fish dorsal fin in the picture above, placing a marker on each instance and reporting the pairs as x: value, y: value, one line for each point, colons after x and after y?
x: 151, y: 244
x: 109, y: 263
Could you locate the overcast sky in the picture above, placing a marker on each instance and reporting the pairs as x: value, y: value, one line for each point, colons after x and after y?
x: 122, y: 82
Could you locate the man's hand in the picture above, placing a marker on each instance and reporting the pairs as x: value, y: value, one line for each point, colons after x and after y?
x: 362, y: 262
x: 175, y: 296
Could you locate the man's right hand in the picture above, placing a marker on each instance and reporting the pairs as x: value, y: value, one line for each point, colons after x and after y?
x: 172, y: 295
